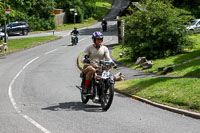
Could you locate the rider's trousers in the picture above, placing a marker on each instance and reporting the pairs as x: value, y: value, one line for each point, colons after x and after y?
x: 89, y: 71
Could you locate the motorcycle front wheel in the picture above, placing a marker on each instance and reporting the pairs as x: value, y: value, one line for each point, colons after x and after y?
x: 84, y: 98
x: 107, y: 97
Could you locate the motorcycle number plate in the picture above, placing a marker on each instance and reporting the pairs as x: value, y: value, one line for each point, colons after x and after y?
x: 105, y: 75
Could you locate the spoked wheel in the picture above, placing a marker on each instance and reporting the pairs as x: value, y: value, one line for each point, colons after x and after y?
x: 107, y: 98
x: 76, y: 41
x: 73, y: 41
x: 84, y: 98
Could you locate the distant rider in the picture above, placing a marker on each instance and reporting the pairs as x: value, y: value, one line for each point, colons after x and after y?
x: 76, y: 33
x: 104, y: 25
x: 95, y: 52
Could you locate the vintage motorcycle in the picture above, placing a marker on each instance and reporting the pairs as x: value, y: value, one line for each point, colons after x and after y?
x: 102, y: 86
x: 74, y: 39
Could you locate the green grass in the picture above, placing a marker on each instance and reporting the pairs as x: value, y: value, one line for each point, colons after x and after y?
x: 183, y: 70
x: 183, y: 93
x: 23, y: 43
x: 86, y: 22
x: 79, y: 60
x: 103, y: 7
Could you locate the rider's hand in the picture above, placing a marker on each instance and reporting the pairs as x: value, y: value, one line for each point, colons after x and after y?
x: 115, y: 66
x: 86, y: 61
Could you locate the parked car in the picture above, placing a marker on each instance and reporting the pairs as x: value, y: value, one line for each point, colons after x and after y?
x: 17, y: 28
x: 2, y: 36
x: 194, y: 26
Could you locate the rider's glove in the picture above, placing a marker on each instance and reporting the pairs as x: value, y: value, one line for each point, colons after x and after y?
x: 114, y: 65
x: 86, y: 61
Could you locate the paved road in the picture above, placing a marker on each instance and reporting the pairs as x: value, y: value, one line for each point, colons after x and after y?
x: 39, y: 94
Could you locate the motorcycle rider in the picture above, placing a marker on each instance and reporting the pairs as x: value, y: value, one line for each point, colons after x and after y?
x: 104, y: 24
x: 95, y: 53
x: 76, y: 33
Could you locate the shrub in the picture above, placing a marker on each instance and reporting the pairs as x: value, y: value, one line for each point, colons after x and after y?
x: 157, y: 31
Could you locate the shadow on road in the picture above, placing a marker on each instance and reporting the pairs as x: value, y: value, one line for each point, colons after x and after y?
x: 74, y: 106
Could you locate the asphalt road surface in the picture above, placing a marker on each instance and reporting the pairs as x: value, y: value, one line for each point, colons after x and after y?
x: 39, y: 94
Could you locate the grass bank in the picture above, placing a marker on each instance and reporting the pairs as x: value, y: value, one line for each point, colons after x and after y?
x: 183, y: 93
x: 23, y: 43
x: 188, y: 69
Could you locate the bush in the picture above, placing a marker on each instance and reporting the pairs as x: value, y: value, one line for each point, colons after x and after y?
x: 41, y: 23
x: 157, y: 31
x: 38, y: 14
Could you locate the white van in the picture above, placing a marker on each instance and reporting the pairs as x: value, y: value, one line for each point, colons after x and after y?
x: 194, y: 26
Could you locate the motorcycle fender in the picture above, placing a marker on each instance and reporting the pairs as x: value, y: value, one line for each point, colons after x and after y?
x: 111, y: 81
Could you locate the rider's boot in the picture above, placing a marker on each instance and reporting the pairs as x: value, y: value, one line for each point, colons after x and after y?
x: 85, y: 90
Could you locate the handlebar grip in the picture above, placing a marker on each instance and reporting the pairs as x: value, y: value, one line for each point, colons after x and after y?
x: 115, y: 66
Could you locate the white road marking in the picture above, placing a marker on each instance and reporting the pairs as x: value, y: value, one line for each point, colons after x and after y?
x: 68, y: 33
x: 50, y: 51
x: 79, y: 41
x: 82, y: 39
x: 108, y: 40
x: 15, y: 104
x: 29, y: 119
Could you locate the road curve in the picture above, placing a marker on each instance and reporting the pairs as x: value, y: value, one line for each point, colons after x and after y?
x: 39, y: 95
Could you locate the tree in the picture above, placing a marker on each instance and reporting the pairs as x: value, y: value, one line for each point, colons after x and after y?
x: 3, y: 5
x: 157, y: 31
x: 38, y: 13
x: 190, y: 5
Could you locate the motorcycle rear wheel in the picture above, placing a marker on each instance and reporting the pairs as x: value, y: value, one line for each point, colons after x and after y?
x: 107, y: 98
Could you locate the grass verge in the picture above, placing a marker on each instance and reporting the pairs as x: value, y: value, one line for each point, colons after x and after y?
x: 188, y: 69
x: 79, y: 61
x: 23, y: 43
x: 182, y: 93
x: 86, y: 22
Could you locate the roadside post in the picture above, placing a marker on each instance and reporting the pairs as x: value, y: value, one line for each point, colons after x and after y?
x: 75, y: 13
x: 122, y: 31
x: 7, y: 12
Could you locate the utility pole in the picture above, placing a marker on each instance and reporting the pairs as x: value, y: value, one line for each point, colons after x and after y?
x: 7, y: 11
x: 75, y: 13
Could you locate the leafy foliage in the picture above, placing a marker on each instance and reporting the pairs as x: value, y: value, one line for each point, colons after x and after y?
x: 191, y: 5
x: 157, y: 31
x: 38, y: 13
x: 85, y: 8
x: 3, y: 5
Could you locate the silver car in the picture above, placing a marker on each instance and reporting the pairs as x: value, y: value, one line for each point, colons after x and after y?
x: 194, y: 26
